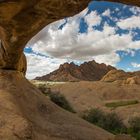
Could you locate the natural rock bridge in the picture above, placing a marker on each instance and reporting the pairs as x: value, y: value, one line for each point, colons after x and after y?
x: 20, y: 20
x: 25, y: 113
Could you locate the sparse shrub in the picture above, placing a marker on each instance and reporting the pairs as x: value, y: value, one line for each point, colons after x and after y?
x: 55, y: 97
x: 113, y: 123
x: 44, y: 89
x: 94, y: 116
x: 134, y: 128
x: 61, y: 101
x: 108, y: 121
x: 135, y: 124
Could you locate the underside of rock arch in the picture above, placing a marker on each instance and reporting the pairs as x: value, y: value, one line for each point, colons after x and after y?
x: 25, y: 114
x: 21, y: 20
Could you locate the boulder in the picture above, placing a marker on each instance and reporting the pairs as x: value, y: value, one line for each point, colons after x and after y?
x: 132, y: 80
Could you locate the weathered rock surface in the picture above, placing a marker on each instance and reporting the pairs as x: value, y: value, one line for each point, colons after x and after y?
x: 20, y: 20
x: 123, y: 137
x: 24, y: 112
x: 114, y: 75
x: 132, y: 80
x: 122, y: 77
x: 27, y: 114
x: 88, y: 71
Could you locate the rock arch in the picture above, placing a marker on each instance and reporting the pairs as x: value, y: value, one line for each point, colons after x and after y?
x: 25, y: 113
x: 20, y: 20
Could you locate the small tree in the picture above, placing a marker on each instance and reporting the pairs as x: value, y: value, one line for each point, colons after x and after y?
x: 108, y: 121
x: 134, y: 129
x: 61, y: 101
x: 113, y: 123
x: 94, y: 116
x: 135, y: 124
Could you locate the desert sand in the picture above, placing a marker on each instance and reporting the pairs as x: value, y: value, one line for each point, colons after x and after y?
x: 85, y: 95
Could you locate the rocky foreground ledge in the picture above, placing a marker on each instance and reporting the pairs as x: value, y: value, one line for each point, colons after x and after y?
x: 26, y: 114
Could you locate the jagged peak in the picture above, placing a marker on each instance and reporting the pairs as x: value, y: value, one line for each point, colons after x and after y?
x: 88, y: 71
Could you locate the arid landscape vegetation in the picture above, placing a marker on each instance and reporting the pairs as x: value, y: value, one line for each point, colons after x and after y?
x: 69, y: 70
x: 116, y: 93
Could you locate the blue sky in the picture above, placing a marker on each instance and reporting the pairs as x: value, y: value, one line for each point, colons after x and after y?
x: 124, y: 12
x: 107, y: 32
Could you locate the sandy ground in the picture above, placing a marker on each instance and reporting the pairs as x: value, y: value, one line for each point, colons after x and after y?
x: 85, y: 95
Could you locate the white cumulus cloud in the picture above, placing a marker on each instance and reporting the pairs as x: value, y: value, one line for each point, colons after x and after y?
x: 107, y: 13
x: 69, y: 44
x: 129, y: 23
x: 135, y: 65
x: 41, y: 65
x: 93, y: 19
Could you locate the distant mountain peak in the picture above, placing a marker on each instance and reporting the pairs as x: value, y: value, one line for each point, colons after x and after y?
x: 88, y: 71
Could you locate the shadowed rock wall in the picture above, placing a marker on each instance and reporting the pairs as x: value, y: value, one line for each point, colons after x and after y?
x: 20, y: 20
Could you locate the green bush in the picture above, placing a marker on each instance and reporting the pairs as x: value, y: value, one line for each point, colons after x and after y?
x: 134, y: 128
x: 108, y: 121
x: 113, y: 123
x: 55, y: 97
x: 121, y: 103
x: 61, y: 101
x: 135, y: 124
x: 94, y: 116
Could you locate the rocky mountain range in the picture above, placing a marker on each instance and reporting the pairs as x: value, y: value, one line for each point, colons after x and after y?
x: 88, y: 71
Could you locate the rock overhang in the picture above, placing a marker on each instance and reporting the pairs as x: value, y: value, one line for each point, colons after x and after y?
x: 20, y: 20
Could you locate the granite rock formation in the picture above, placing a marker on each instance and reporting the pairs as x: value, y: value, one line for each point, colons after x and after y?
x: 122, y: 77
x: 20, y: 20
x: 24, y: 112
x: 88, y: 71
